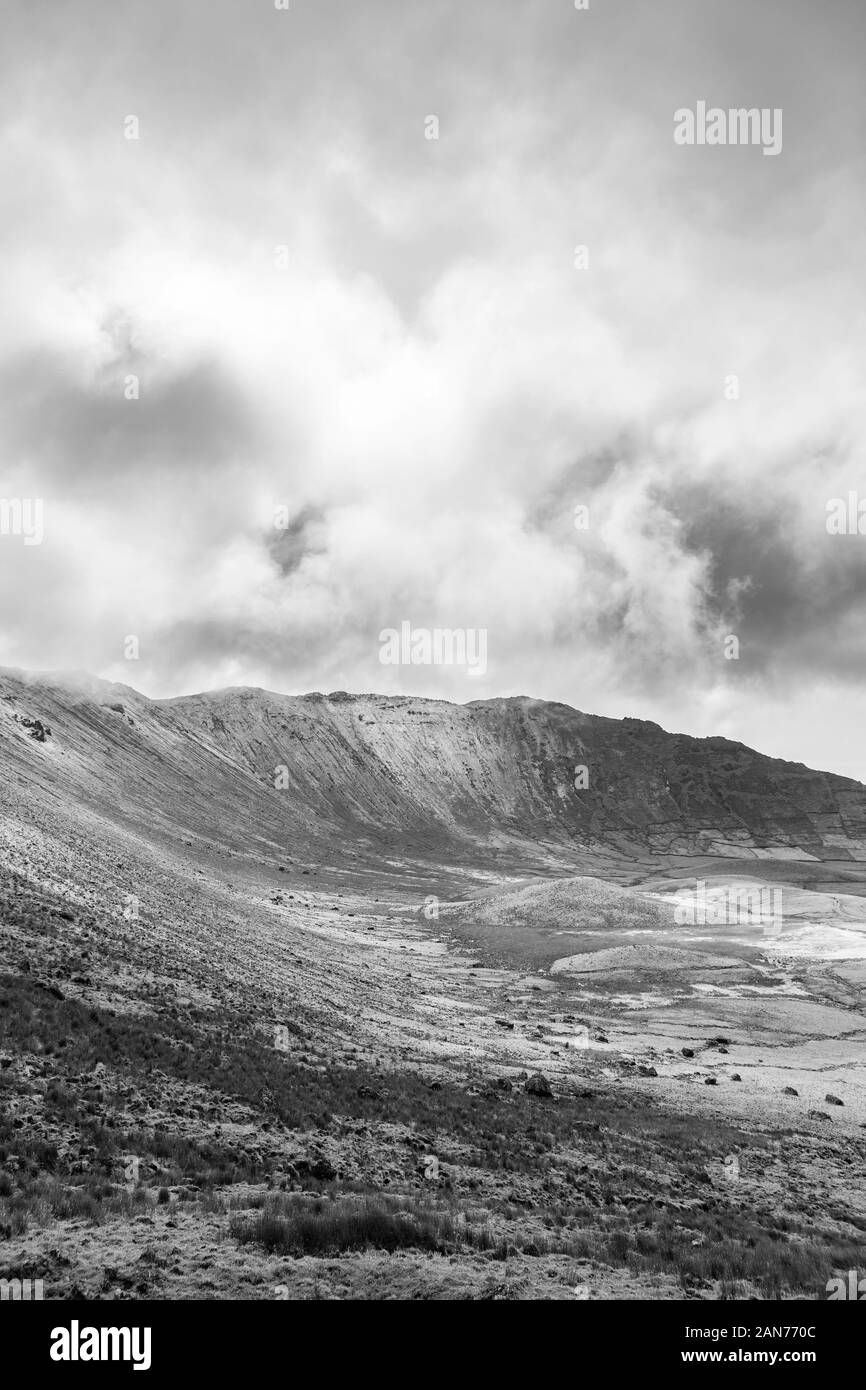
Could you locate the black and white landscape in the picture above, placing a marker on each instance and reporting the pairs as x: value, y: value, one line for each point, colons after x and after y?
x: 432, y: 650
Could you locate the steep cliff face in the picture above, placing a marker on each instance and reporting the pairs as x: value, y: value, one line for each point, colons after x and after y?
x: 385, y: 775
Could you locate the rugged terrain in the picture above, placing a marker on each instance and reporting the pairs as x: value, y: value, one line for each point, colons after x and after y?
x: 356, y: 996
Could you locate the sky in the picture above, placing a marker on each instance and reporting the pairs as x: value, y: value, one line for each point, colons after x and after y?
x: 285, y: 371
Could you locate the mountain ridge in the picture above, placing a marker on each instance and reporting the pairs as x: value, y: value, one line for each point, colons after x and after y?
x: 426, y: 778
x: 66, y: 679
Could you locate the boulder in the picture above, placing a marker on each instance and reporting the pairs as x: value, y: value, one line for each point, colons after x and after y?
x: 538, y: 1085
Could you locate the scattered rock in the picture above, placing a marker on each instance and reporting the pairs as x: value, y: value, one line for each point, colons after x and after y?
x: 36, y: 728
x: 833, y: 1100
x: 789, y: 1091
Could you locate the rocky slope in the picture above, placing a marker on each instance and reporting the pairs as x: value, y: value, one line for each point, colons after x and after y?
x: 489, y: 782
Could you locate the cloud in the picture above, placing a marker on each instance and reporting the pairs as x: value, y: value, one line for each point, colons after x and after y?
x: 388, y: 337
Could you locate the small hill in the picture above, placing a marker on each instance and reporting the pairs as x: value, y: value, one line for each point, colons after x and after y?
x: 539, y: 923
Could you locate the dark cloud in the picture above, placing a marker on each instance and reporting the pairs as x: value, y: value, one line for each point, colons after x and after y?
x: 795, y: 599
x: 81, y: 433
x: 289, y: 544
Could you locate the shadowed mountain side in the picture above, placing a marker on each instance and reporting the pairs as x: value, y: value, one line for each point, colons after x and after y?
x: 362, y: 776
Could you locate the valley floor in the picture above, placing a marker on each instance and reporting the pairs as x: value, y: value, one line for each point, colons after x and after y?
x: 263, y: 1079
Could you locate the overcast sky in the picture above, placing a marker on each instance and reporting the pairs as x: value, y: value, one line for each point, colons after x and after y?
x: 424, y: 378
